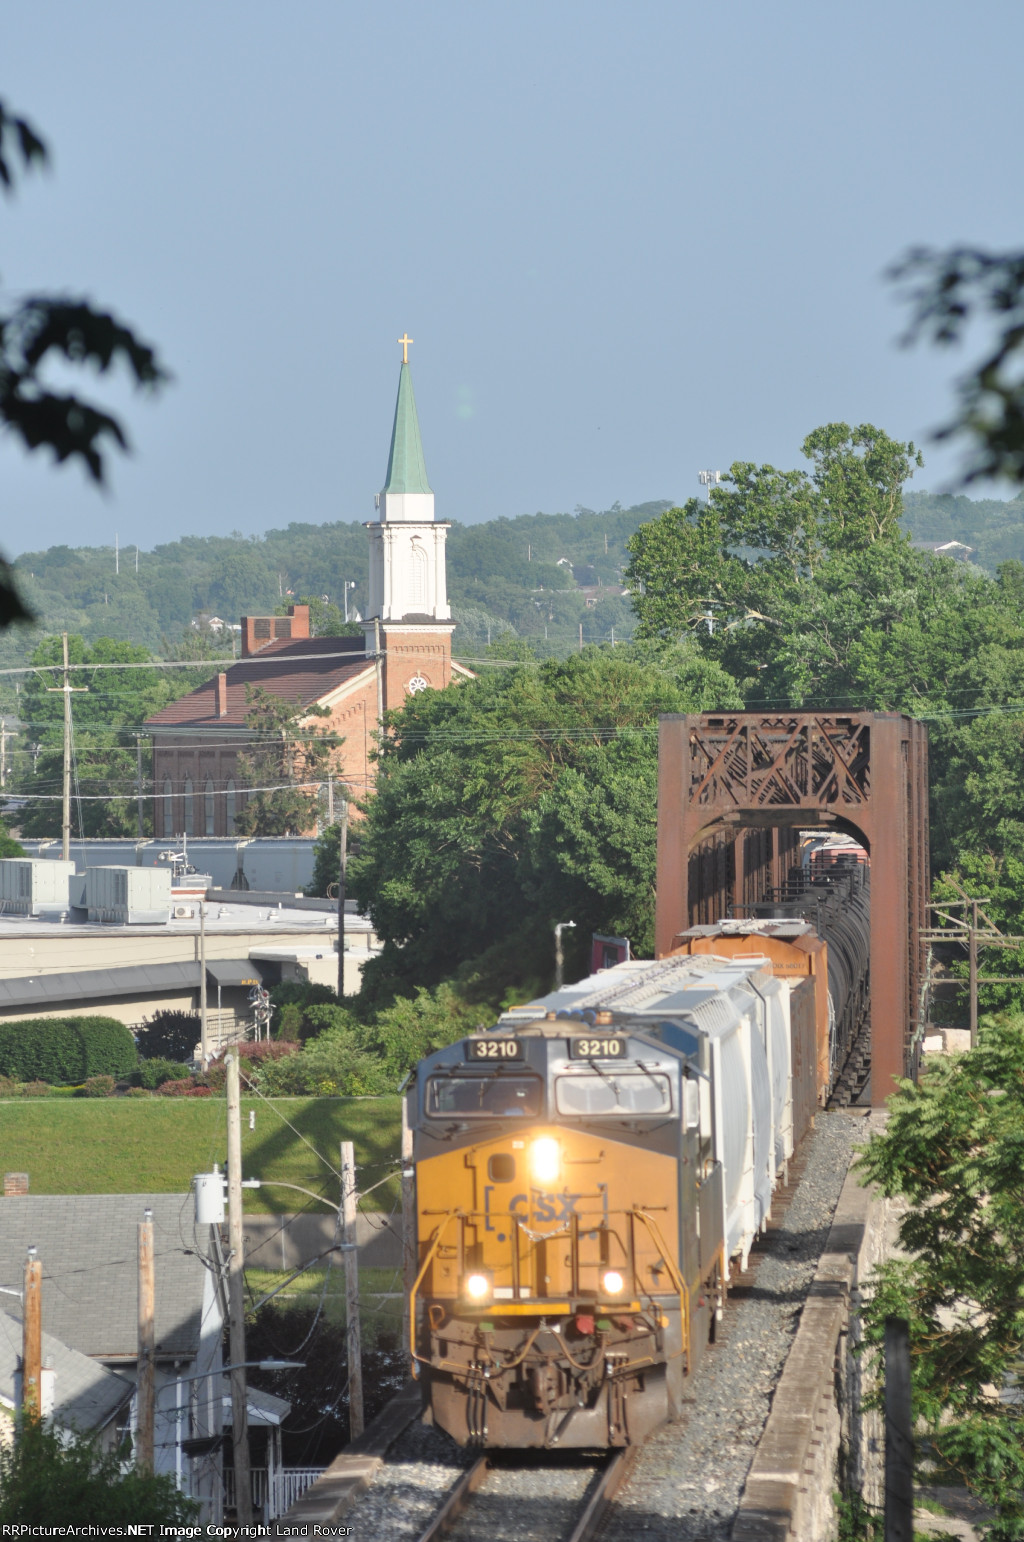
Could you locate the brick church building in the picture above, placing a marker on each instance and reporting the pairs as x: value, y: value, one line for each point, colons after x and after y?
x: 406, y: 647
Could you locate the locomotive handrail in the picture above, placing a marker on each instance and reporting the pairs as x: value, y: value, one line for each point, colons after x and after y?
x: 417, y: 1282
x: 682, y: 1288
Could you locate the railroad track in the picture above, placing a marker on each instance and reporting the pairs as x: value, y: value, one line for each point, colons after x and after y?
x: 609, y: 1477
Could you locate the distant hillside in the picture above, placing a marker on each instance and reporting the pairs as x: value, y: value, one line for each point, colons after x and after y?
x: 995, y: 529
x: 532, y: 575
x: 538, y: 577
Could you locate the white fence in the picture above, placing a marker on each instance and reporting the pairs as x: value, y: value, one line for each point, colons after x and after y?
x: 274, y: 1493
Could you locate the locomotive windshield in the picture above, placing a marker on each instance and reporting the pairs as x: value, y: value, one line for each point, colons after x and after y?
x: 494, y: 1097
x: 613, y: 1092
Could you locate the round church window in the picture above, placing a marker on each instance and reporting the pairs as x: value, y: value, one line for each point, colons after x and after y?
x: 417, y: 684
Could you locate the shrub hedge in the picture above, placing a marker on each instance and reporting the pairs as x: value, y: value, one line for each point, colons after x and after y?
x: 66, y: 1051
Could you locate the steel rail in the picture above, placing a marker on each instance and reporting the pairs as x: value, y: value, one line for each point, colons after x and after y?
x: 614, y: 1474
x: 454, y: 1505
x: 617, y: 1470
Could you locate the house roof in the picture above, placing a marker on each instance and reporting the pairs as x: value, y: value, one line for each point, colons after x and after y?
x: 88, y: 1247
x: 301, y: 670
x: 407, y: 472
x: 86, y: 1396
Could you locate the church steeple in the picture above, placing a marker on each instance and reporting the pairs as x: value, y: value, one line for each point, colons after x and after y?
x: 407, y: 544
x: 407, y: 472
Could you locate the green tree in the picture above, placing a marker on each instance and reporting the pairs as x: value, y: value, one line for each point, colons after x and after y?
x: 51, y: 1477
x: 325, y: 618
x: 954, y: 1150
x: 106, y: 718
x: 472, y: 847
x: 745, y: 566
x: 287, y: 760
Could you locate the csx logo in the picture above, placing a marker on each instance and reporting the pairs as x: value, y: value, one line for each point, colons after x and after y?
x: 538, y: 1208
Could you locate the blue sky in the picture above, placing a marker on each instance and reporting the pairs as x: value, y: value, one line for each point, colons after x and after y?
x: 629, y: 241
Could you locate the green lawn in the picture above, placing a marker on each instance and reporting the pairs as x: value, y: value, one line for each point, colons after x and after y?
x: 140, y: 1145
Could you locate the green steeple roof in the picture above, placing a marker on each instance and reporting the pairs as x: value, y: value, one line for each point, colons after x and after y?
x: 406, y: 471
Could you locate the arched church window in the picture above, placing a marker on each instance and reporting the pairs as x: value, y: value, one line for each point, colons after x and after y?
x: 168, y: 811
x: 208, y: 806
x: 230, y: 808
x: 418, y: 576
x: 190, y: 810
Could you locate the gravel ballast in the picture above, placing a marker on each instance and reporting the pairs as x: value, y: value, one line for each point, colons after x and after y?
x: 689, y: 1477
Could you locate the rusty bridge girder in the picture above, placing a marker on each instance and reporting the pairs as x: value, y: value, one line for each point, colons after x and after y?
x: 865, y: 773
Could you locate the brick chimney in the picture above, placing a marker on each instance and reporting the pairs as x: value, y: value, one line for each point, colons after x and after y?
x: 15, y: 1183
x: 220, y: 695
x: 258, y: 631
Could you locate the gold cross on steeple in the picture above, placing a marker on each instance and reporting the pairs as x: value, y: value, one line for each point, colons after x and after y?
x: 405, y: 341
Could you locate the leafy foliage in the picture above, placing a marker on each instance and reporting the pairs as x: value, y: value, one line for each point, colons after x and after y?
x: 54, y: 1477
x: 946, y: 290
x: 39, y: 328
x: 66, y: 1051
x: 169, y: 1035
x: 350, y: 1053
x: 954, y: 1149
x: 152, y: 1072
x: 317, y: 1425
x: 480, y: 836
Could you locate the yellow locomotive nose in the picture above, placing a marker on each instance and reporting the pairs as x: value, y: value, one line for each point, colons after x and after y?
x: 545, y: 1160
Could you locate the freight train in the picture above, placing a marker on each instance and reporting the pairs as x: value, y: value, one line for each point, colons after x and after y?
x: 590, y: 1170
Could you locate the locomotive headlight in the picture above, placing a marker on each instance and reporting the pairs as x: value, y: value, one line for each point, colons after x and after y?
x: 545, y: 1160
x: 612, y: 1283
x: 478, y: 1287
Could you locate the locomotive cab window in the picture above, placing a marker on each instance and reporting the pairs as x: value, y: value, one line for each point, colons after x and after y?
x: 616, y: 1093
x: 494, y: 1097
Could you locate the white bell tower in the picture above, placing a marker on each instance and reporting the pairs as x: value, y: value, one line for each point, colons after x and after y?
x: 409, y: 618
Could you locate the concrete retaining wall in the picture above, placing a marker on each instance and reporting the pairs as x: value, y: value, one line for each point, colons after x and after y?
x: 817, y: 1437
x: 289, y: 1241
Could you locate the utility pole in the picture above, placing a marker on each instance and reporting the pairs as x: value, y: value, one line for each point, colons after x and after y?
x: 3, y: 751
x: 330, y: 797
x: 581, y: 636
x: 559, y: 956
x: 342, y: 865
x: 67, y: 689
x: 32, y: 1339
x: 899, y: 1439
x: 236, y: 1298
x: 138, y: 783
x: 203, y: 1022
x: 146, y: 1377
x: 410, y: 1252
x: 117, y: 554
x: 348, y: 1238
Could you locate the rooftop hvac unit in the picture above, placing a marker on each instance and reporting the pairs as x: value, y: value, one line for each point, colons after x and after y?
x: 128, y: 896
x: 183, y: 912
x: 28, y: 887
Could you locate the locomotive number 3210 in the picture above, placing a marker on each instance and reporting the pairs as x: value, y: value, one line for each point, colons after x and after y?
x: 494, y: 1049
x: 605, y: 1048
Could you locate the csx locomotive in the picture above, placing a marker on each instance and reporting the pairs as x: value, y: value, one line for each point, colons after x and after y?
x: 588, y: 1171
